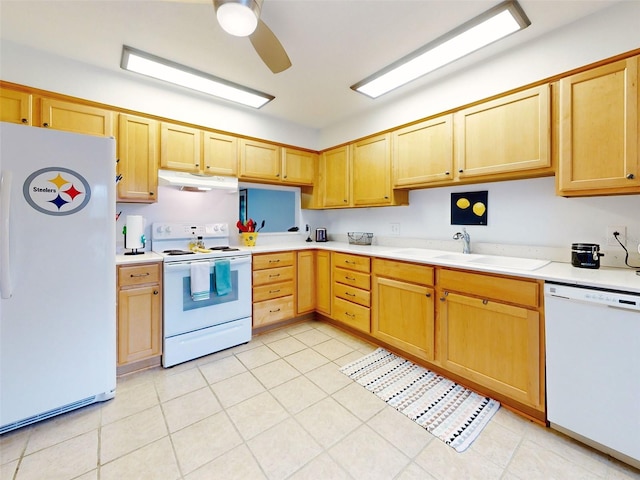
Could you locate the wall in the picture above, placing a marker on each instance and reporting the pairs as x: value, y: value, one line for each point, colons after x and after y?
x: 24, y: 65
x: 602, y: 35
x: 521, y: 213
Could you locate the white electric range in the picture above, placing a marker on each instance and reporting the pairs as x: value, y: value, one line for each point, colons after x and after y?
x: 196, y: 326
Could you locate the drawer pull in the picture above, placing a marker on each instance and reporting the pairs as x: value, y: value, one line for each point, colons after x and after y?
x: 351, y: 315
x: 134, y: 275
x: 350, y: 294
x: 428, y: 295
x: 274, y: 291
x: 350, y: 262
x: 485, y: 301
x: 274, y: 311
x: 630, y: 176
x: 349, y: 278
x: 274, y: 261
x: 274, y: 275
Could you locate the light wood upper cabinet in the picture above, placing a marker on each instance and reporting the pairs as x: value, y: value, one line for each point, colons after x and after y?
x: 137, y: 159
x: 372, y: 171
x: 259, y: 161
x: 505, y: 136
x: 180, y: 147
x: 598, y: 134
x: 73, y: 117
x: 423, y: 153
x: 220, y: 154
x: 15, y: 106
x: 298, y: 166
x: 335, y: 177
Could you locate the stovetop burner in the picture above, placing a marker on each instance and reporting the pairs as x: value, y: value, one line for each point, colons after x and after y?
x: 178, y: 252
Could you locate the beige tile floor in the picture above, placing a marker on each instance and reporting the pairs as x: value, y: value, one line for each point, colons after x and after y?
x: 278, y: 408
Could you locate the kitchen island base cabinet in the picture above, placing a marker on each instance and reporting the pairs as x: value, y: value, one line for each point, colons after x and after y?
x: 139, y: 315
x: 403, y: 311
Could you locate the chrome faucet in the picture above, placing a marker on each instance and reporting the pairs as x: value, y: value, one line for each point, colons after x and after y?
x: 466, y: 239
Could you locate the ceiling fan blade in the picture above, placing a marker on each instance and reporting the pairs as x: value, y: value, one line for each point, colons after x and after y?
x: 269, y: 48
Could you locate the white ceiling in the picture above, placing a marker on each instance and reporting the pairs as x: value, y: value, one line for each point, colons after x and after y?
x: 332, y: 43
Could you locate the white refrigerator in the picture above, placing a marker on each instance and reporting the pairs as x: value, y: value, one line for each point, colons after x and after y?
x: 57, y: 273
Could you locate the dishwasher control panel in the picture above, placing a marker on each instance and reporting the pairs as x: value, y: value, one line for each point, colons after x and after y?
x: 609, y: 298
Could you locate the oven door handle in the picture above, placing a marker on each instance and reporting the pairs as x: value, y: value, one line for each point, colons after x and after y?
x: 235, y: 261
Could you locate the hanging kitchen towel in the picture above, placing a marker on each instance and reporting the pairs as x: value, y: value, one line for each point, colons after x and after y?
x: 200, y: 281
x: 222, y: 272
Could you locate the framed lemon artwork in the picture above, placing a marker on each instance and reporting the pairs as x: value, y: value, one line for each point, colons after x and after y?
x: 469, y: 208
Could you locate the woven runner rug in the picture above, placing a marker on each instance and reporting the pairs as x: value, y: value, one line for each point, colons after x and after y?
x: 454, y: 414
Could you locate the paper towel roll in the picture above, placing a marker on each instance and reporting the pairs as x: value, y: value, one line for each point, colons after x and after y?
x: 135, y: 231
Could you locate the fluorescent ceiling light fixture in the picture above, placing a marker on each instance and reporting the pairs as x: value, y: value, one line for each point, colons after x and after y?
x: 237, y: 17
x: 494, y: 24
x: 152, y: 66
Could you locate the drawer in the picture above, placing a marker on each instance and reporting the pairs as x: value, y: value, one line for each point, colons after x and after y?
x: 272, y: 311
x: 407, y: 272
x: 511, y: 290
x: 138, y: 274
x: 355, y: 279
x: 272, y: 290
x: 352, y: 262
x: 270, y: 260
x: 352, y: 294
x: 272, y: 275
x: 355, y: 316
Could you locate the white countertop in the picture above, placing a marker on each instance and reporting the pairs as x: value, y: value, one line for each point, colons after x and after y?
x: 605, y: 277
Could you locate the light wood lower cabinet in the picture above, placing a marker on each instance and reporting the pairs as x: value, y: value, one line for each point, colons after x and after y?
x: 323, y: 282
x: 351, y: 290
x: 139, y: 312
x: 273, y: 288
x: 403, y: 309
x: 493, y: 335
x: 306, y: 282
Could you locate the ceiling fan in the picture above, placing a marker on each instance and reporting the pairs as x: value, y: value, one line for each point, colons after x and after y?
x: 242, y: 18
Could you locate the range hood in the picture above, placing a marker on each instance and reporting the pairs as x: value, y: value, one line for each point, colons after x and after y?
x: 197, y: 182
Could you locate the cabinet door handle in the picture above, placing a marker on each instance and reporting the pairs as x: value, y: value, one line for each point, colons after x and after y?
x: 428, y: 295
x: 350, y: 294
x: 274, y: 311
x: 447, y: 172
x: 274, y: 261
x: 155, y: 292
x: 274, y: 275
x: 350, y: 262
x: 345, y: 201
x: 45, y: 125
x: 274, y: 291
x: 134, y: 275
x: 284, y: 176
x: 277, y: 174
x: 351, y: 315
x: 151, y: 193
x: 460, y: 171
x: 349, y: 278
x: 485, y: 301
x: 444, y: 296
x: 24, y: 120
x: 630, y: 176
x: 208, y: 166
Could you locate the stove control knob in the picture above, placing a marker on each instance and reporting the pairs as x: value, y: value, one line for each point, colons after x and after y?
x: 167, y: 229
x: 223, y: 227
x: 159, y: 229
x: 216, y: 228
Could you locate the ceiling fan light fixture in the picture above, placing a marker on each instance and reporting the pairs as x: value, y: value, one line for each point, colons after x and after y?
x: 159, y: 68
x: 488, y: 27
x: 237, y: 17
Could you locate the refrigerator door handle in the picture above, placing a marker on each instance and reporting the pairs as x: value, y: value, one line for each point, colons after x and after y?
x: 5, y: 199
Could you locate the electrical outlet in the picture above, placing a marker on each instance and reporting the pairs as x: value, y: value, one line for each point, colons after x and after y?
x: 395, y: 229
x: 611, y: 240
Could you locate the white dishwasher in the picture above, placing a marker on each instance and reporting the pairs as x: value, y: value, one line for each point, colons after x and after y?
x: 593, y: 367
